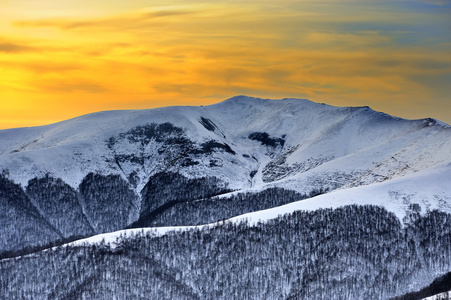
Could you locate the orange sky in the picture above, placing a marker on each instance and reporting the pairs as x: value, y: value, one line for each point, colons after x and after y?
x: 61, y: 59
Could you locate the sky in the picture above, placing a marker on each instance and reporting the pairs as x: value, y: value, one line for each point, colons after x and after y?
x: 62, y: 59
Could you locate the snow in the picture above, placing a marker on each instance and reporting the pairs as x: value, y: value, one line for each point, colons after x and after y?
x: 430, y: 190
x: 441, y: 296
x: 111, y: 237
x: 367, y: 157
x: 341, y: 139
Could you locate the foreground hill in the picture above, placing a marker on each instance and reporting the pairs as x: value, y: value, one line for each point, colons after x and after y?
x: 352, y: 252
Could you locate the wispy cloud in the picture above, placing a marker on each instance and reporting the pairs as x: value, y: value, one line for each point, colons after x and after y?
x: 438, y: 2
x: 115, y: 22
x: 8, y: 47
x: 73, y: 85
x: 41, y: 66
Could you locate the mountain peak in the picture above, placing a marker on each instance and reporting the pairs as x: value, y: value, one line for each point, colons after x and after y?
x: 248, y: 99
x: 432, y: 122
x: 243, y: 99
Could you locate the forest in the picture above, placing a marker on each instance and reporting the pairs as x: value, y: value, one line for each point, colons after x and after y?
x: 352, y: 252
x: 48, y: 209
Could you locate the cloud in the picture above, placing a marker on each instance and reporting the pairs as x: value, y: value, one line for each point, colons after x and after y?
x: 438, y: 2
x: 8, y: 47
x: 63, y: 24
x: 168, y: 13
x: 120, y: 21
x: 41, y: 66
x: 73, y: 85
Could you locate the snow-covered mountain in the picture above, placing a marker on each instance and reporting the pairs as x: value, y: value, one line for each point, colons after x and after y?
x: 248, y: 198
x: 109, y: 170
x: 247, y: 142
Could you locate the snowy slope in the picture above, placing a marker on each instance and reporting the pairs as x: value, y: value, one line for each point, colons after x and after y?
x: 430, y: 190
x: 99, y: 172
x: 247, y: 143
x: 342, y: 146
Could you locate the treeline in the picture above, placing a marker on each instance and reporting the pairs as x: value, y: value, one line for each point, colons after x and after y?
x: 438, y: 286
x: 33, y: 249
x: 353, y: 252
x: 166, y: 190
x: 48, y: 209
x: 219, y: 208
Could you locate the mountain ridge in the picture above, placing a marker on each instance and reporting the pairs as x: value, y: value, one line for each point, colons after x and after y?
x: 97, y: 166
x: 109, y: 124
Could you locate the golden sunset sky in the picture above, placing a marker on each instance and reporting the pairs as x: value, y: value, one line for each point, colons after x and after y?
x: 62, y: 59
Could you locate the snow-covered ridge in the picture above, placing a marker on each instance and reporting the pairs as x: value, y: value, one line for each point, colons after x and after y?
x: 313, y: 134
x: 355, y: 154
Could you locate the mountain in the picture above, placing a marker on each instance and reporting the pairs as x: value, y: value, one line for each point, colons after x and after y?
x: 111, y: 170
x: 274, y: 140
x: 245, y: 199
